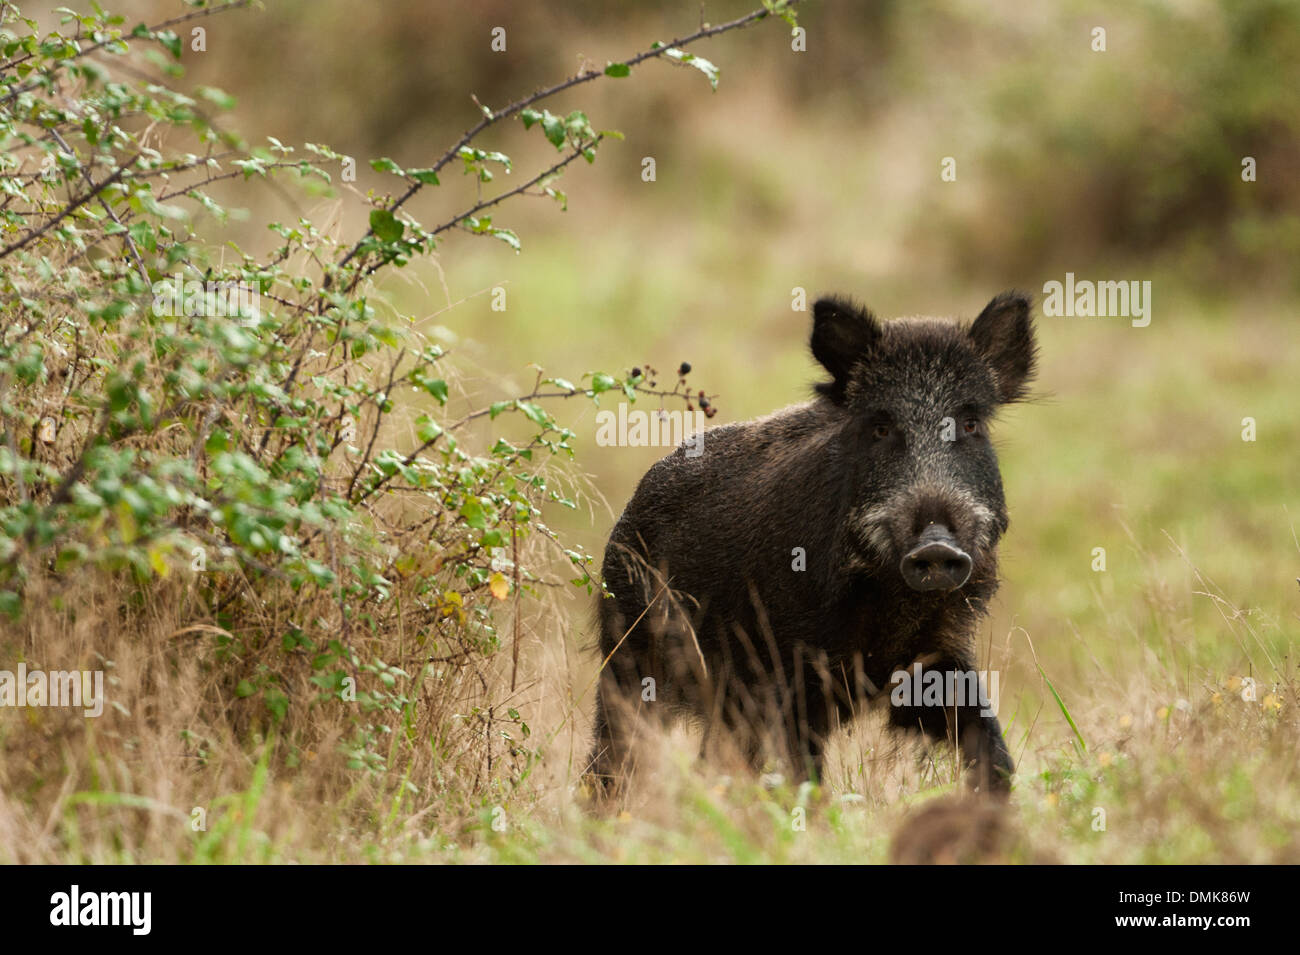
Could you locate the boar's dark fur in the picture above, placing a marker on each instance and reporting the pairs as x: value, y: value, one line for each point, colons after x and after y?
x: 886, y: 484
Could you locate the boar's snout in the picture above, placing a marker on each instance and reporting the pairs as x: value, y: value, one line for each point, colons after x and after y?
x: 936, y: 562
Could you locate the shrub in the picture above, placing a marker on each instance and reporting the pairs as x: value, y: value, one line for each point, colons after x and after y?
x: 256, y: 443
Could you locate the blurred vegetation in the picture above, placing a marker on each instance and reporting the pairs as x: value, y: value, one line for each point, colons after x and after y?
x: 1067, y: 158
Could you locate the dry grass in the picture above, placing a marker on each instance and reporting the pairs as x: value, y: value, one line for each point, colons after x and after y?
x: 1205, y: 777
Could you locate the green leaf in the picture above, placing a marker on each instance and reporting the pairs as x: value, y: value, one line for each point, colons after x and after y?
x: 385, y: 225
x: 277, y: 703
x: 534, y: 413
x: 142, y: 233
x: 245, y: 689
x: 11, y: 605
x: 171, y: 41
x: 782, y: 9
x: 690, y: 59
x: 474, y: 514
x: 426, y: 176
x: 553, y: 127
x: 220, y: 98
x: 618, y: 69
x: 426, y: 429
x: 436, y: 387
x: 508, y: 237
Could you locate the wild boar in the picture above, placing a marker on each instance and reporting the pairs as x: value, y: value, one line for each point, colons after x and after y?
x: 772, y: 584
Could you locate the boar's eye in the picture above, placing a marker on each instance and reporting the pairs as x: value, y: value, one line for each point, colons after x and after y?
x: 880, y: 432
x: 971, y: 425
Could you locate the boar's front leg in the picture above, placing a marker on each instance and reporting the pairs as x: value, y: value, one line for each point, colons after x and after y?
x: 965, y: 721
x: 986, y: 752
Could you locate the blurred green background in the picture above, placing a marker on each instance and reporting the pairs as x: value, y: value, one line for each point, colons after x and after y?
x: 821, y: 170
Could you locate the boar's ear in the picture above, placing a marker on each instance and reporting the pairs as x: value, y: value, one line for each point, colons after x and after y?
x: 1004, y: 335
x: 842, y: 333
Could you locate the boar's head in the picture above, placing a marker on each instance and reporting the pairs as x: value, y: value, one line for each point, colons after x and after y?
x: 914, y: 398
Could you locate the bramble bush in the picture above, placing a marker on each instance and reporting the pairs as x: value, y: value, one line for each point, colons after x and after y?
x: 259, y: 438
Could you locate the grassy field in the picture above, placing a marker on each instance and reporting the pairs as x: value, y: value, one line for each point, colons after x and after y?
x: 1121, y: 691
x: 1125, y: 448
